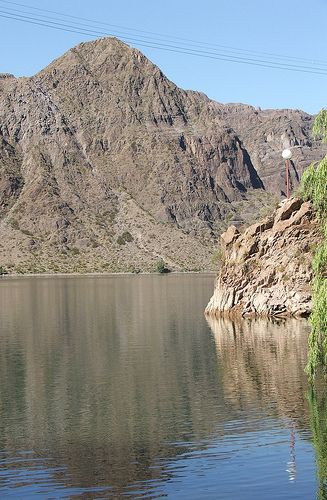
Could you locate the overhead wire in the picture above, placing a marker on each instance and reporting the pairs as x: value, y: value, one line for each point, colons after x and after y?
x: 166, y: 37
x: 142, y: 41
x: 77, y: 27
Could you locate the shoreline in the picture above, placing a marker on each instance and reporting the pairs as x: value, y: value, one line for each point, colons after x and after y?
x: 81, y: 275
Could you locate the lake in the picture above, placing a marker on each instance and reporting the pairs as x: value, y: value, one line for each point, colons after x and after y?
x: 118, y: 387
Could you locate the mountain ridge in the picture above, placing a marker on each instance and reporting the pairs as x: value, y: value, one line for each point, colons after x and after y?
x: 100, y: 144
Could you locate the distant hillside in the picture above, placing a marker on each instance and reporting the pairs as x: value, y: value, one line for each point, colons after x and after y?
x: 106, y: 165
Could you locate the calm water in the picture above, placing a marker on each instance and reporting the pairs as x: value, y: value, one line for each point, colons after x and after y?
x: 117, y: 387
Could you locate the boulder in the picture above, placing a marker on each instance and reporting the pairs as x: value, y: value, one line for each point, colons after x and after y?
x: 230, y: 235
x: 287, y: 208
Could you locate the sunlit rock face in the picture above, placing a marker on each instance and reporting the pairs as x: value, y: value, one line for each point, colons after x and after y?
x: 267, y: 269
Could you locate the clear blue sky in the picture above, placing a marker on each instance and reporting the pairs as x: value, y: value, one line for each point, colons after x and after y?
x: 288, y: 27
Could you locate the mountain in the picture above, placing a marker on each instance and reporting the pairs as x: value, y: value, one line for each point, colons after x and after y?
x: 106, y: 165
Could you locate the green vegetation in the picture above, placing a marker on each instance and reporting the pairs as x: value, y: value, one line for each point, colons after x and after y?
x: 75, y: 251
x: 314, y: 185
x: 132, y: 269
x: 218, y: 257
x: 319, y: 129
x: 161, y: 267
x: 14, y: 224
x: 3, y: 271
x: 26, y: 232
x: 126, y: 237
x: 314, y: 188
x: 318, y: 421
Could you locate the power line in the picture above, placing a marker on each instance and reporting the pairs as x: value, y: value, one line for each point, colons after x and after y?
x: 165, y: 37
x: 75, y: 28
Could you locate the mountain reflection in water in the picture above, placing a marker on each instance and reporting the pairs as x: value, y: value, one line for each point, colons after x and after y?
x: 116, y: 386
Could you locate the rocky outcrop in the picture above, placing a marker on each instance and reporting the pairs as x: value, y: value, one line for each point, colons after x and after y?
x: 100, y: 144
x: 267, y: 268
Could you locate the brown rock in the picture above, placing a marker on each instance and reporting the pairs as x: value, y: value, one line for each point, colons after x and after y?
x: 230, y: 235
x: 287, y: 208
x: 275, y: 269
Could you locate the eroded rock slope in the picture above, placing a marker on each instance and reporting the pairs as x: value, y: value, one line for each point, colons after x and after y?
x: 267, y: 269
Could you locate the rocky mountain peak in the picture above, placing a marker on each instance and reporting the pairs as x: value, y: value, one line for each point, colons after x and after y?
x: 100, y: 144
x: 5, y: 76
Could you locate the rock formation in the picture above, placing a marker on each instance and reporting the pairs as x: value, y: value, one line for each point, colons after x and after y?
x: 267, y: 268
x: 106, y: 165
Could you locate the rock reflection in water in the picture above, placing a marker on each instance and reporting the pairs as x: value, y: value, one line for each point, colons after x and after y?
x: 262, y: 364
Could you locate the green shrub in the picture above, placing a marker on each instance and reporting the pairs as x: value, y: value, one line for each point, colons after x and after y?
x: 314, y: 185
x: 319, y: 129
x: 317, y: 355
x: 124, y: 238
x: 25, y: 231
x: 161, y: 267
x: 14, y: 224
x: 133, y: 269
x: 3, y: 271
x: 318, y: 338
x: 127, y: 237
x: 218, y: 257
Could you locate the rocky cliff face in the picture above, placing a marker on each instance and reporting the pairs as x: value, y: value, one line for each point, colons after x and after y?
x: 106, y: 165
x: 267, y: 269
x: 265, y: 132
